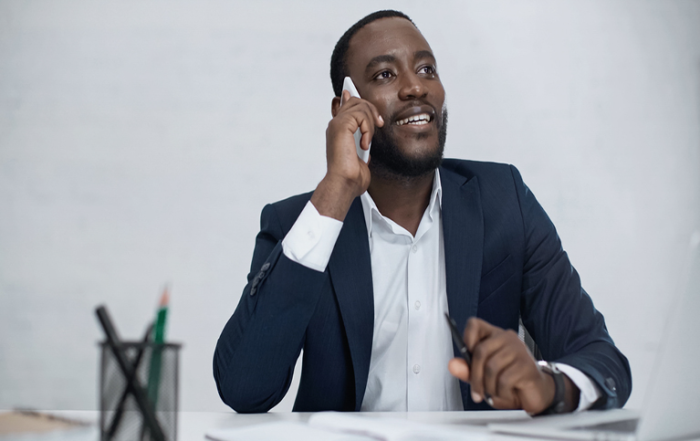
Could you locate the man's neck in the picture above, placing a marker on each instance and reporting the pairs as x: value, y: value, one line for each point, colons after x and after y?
x: 402, y: 200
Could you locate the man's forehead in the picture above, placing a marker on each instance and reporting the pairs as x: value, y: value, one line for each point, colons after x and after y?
x: 385, y: 36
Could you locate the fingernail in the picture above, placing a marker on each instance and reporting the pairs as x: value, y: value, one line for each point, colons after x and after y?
x: 476, y: 397
x: 381, y: 120
x: 489, y: 400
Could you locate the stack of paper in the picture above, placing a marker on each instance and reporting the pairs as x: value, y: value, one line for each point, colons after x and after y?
x: 335, y: 426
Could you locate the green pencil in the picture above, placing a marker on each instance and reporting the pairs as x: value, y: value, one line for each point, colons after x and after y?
x: 156, y: 354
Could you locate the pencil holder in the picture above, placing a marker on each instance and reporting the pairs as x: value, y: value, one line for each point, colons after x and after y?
x: 153, y: 371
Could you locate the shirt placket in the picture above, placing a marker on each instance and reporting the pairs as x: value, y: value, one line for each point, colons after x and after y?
x: 416, y: 318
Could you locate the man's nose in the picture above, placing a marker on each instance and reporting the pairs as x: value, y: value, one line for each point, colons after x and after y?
x: 412, y: 87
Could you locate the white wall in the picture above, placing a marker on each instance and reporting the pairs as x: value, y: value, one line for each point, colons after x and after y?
x: 139, y: 141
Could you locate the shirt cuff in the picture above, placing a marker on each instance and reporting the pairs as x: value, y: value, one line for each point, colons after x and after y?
x: 312, y: 238
x: 589, y: 391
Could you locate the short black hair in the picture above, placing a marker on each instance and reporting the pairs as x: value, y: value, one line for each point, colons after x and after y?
x: 339, y: 66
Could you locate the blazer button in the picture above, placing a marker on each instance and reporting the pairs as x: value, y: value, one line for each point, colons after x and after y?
x: 265, y: 267
x: 611, y: 384
x: 252, y: 291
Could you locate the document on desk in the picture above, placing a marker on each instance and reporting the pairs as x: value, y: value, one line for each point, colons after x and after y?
x: 281, y: 430
x: 394, y: 429
x: 337, y: 426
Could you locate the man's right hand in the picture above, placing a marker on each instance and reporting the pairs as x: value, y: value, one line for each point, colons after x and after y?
x: 347, y: 176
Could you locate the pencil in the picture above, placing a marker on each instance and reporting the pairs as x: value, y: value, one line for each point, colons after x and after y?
x: 156, y: 354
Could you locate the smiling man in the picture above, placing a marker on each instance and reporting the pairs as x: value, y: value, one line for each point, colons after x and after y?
x: 360, y: 272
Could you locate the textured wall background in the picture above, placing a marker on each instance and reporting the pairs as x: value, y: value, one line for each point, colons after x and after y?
x: 139, y: 141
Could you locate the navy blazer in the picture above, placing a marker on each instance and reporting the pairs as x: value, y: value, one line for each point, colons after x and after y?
x: 503, y: 261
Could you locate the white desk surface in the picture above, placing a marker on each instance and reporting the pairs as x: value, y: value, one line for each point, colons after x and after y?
x: 192, y: 426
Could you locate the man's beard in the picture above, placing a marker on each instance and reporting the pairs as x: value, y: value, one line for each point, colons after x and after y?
x: 388, y: 161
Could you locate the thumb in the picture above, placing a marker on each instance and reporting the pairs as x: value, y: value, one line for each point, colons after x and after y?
x: 458, y: 368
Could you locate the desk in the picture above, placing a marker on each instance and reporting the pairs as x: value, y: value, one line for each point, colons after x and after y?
x: 192, y: 426
x: 191, y: 423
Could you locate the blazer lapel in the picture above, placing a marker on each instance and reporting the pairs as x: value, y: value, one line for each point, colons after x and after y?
x: 350, y: 271
x: 463, y: 231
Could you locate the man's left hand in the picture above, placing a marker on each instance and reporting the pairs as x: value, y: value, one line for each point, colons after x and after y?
x: 503, y: 370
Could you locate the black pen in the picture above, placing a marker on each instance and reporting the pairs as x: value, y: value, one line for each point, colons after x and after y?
x: 114, y: 425
x: 466, y: 355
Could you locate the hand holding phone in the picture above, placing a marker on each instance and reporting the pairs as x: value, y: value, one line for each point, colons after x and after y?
x: 350, y: 87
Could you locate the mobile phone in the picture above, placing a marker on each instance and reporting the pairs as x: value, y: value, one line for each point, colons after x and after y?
x: 350, y: 87
x: 466, y: 355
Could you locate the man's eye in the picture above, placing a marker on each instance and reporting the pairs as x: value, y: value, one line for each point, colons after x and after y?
x: 429, y: 70
x: 383, y: 75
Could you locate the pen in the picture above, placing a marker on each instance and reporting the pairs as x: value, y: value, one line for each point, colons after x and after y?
x: 466, y: 355
x: 114, y: 425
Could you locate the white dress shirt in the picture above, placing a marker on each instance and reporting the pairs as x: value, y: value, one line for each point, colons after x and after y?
x: 411, y: 343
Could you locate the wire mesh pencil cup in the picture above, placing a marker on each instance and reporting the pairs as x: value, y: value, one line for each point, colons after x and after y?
x: 154, y: 367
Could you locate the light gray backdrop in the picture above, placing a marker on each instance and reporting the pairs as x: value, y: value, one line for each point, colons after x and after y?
x: 139, y: 141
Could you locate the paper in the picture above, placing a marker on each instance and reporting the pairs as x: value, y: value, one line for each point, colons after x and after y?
x: 22, y: 422
x: 281, y: 430
x: 394, y: 429
x: 338, y: 426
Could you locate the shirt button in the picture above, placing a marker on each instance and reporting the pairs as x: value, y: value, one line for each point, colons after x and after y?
x: 311, y: 235
x: 414, y: 248
x: 416, y: 369
x: 417, y: 304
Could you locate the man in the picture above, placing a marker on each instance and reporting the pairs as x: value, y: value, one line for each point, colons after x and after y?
x: 360, y: 272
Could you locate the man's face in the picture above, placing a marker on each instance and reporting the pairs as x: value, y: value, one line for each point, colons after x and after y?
x: 394, y: 68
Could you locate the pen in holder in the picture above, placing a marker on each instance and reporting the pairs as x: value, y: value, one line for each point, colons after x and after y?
x: 132, y: 406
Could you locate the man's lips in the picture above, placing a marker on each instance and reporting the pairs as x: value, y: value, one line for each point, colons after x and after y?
x: 415, y: 116
x: 419, y: 119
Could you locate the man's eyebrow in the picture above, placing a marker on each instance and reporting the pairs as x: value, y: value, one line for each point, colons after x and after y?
x: 390, y: 58
x: 424, y: 54
x: 380, y: 59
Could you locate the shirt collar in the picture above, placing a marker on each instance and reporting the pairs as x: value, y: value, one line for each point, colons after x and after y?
x: 370, y: 208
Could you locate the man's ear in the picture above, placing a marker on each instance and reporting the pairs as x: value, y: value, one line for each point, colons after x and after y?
x: 335, y: 105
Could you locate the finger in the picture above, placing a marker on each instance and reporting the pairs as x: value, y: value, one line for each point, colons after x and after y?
x: 501, y: 403
x: 378, y: 120
x: 366, y: 126
x: 494, y: 367
x: 480, y: 356
x: 366, y: 117
x: 344, y: 97
x: 373, y: 112
x: 350, y: 102
x: 506, y: 391
x: 357, y: 115
x: 477, y: 330
x: 458, y: 368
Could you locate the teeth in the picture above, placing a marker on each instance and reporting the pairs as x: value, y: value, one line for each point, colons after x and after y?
x: 421, y: 119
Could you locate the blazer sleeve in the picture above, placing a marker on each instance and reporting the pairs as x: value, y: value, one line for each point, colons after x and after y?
x: 557, y: 311
x: 256, y: 353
